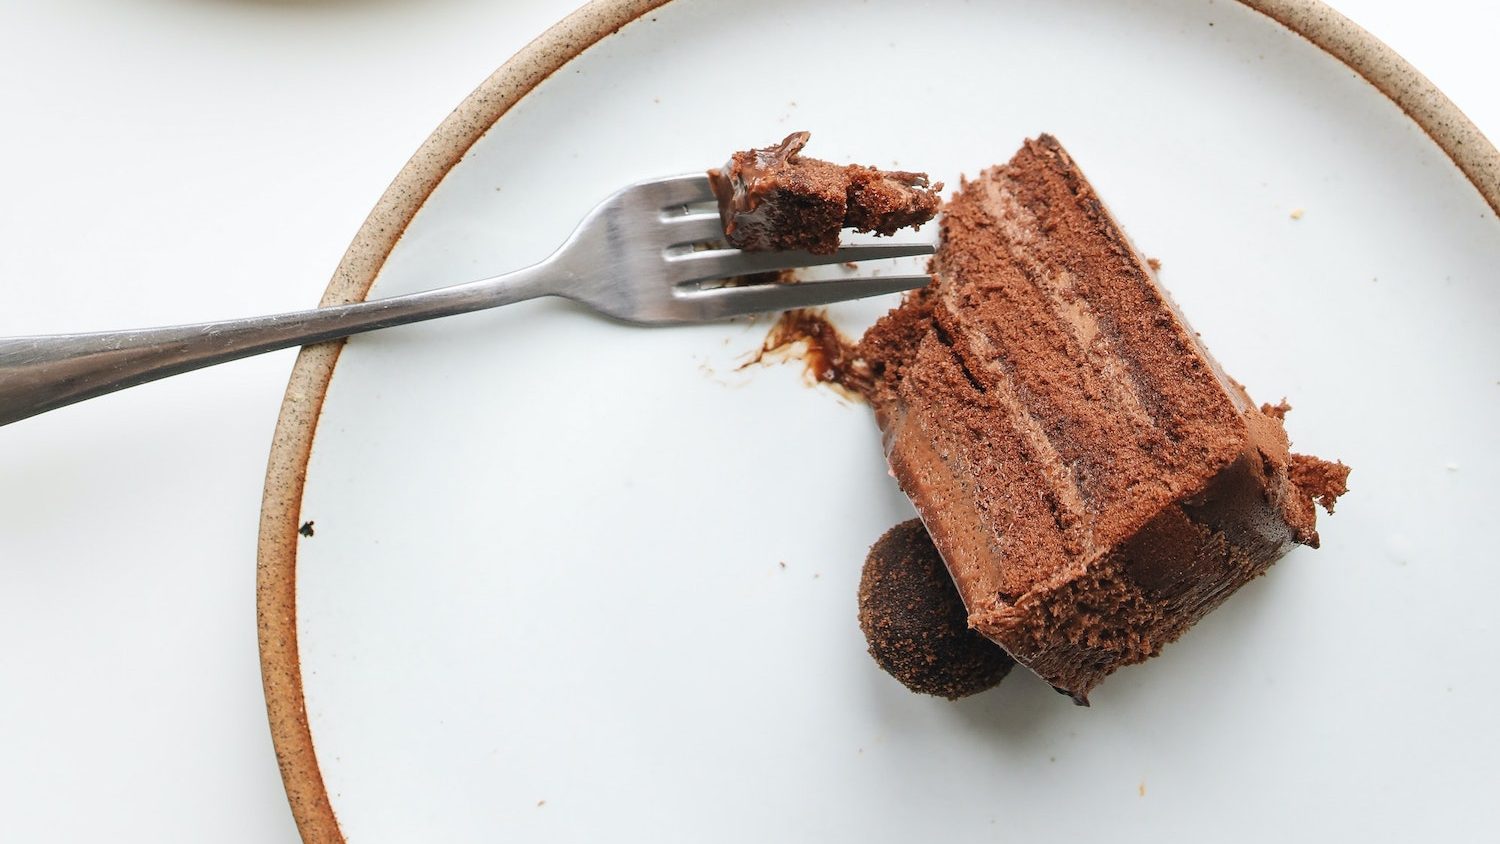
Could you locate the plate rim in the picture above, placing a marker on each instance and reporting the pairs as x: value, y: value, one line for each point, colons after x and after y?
x: 296, y: 425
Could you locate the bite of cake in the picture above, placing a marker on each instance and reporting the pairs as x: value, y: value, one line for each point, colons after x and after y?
x: 774, y: 198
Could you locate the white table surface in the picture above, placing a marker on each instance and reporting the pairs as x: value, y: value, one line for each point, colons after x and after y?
x: 175, y: 160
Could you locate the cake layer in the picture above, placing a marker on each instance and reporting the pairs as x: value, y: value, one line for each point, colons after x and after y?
x: 1092, y: 479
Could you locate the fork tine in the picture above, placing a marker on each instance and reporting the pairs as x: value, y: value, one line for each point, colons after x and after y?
x: 674, y: 190
x: 720, y: 302
x: 727, y: 263
x: 694, y: 228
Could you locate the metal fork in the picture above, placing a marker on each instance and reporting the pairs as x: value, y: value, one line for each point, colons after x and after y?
x: 636, y: 257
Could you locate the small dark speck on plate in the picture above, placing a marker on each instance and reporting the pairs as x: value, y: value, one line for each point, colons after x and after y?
x: 306, y: 529
x: 541, y: 803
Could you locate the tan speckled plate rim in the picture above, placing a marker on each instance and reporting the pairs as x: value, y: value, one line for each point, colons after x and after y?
x: 296, y: 426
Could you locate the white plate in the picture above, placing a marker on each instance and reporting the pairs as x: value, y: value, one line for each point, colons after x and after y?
x: 545, y: 597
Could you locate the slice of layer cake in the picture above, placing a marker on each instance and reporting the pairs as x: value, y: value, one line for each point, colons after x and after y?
x: 1092, y: 479
x: 775, y: 198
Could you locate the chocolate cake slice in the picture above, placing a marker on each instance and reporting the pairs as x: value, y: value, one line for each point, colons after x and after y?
x: 1092, y: 479
x: 776, y: 199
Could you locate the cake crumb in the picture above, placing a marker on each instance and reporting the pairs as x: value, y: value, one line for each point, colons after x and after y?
x: 1297, y: 213
x: 541, y: 803
x: 1142, y: 789
x: 1320, y: 479
x: 1154, y: 263
x: 306, y: 529
x: 1278, y: 410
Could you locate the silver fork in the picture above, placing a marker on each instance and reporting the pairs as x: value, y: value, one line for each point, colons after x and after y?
x: 636, y: 257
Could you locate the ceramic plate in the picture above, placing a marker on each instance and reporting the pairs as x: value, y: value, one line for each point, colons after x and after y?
x: 569, y: 580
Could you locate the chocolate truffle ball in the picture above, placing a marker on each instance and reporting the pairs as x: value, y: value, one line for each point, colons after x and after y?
x: 915, y: 622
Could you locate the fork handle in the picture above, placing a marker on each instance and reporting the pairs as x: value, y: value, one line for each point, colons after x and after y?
x: 38, y: 374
